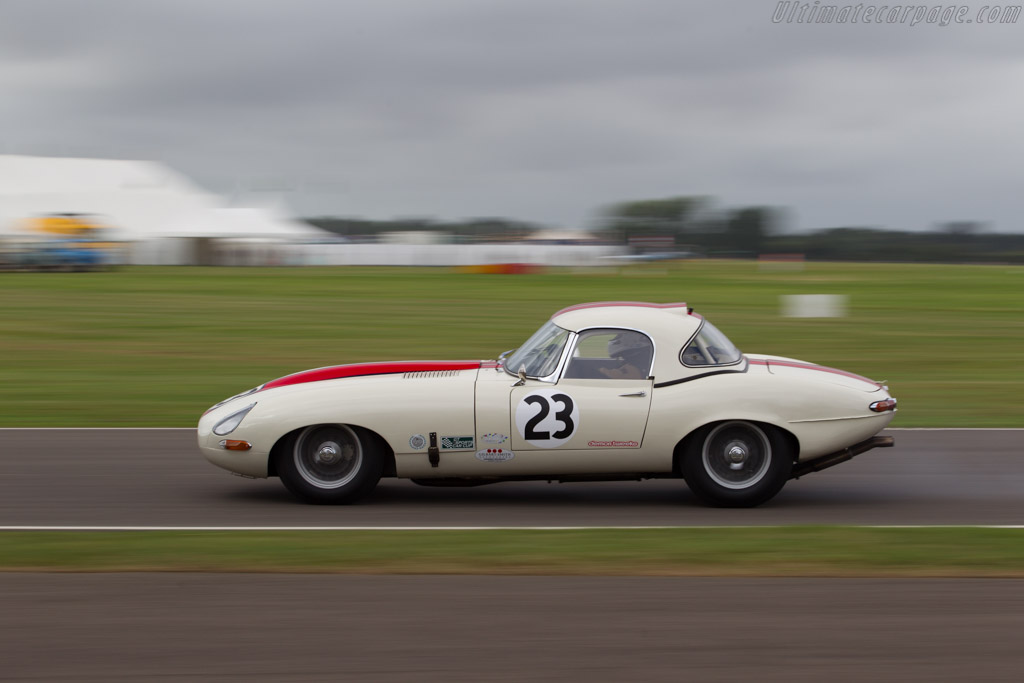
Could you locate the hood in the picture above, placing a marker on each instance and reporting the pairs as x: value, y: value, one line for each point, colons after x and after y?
x: 778, y: 365
x: 366, y: 369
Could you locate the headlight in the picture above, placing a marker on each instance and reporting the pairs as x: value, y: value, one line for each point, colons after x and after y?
x: 231, y: 422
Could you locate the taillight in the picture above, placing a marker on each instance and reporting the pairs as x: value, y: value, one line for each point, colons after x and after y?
x: 883, y: 406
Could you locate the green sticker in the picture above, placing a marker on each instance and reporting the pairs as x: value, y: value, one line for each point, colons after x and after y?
x: 457, y: 443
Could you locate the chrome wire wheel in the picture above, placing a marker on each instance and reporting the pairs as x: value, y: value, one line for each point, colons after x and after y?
x: 736, y: 455
x: 328, y: 456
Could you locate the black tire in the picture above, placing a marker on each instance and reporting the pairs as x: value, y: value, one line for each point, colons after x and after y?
x: 329, y: 464
x: 737, y: 464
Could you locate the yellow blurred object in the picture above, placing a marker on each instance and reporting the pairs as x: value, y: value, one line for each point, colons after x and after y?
x: 85, y: 228
x: 66, y: 225
x: 66, y: 241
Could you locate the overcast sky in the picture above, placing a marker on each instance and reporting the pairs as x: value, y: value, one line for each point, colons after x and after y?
x: 544, y: 110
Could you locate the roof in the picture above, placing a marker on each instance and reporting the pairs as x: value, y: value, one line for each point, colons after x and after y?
x: 671, y: 326
x: 657, y: 319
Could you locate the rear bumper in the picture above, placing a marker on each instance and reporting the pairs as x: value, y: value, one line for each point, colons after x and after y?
x: 823, y: 462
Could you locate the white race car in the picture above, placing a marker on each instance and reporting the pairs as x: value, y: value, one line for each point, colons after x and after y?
x: 602, y: 391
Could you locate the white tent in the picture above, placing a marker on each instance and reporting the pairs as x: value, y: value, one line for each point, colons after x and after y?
x: 562, y: 236
x: 141, y: 201
x: 241, y: 223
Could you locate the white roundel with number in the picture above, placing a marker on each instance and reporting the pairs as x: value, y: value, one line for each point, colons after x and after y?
x: 547, y: 418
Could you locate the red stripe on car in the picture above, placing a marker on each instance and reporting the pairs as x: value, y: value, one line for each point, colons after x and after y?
x: 365, y: 369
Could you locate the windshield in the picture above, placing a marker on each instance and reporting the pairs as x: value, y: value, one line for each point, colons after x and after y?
x: 539, y: 355
x: 710, y: 347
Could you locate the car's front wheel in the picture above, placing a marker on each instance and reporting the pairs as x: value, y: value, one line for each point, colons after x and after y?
x: 329, y: 464
x: 737, y: 464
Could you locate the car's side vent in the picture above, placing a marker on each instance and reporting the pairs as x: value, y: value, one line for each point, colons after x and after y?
x: 431, y: 374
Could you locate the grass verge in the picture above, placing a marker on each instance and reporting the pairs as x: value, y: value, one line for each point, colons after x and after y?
x: 749, y: 551
x: 157, y: 346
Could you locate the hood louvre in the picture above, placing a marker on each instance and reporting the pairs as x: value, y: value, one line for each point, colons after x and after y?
x: 430, y: 374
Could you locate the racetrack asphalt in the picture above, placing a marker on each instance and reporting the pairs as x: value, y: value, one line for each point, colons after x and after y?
x: 276, y: 627
x: 158, y: 478
x: 245, y: 627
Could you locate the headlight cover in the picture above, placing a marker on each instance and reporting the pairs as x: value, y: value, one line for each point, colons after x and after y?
x: 231, y: 422
x: 228, y: 400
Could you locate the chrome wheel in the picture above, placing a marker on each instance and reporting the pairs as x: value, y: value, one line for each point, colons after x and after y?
x: 736, y: 455
x: 328, y: 456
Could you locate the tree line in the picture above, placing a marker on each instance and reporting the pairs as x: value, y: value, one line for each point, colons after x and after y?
x: 694, y: 226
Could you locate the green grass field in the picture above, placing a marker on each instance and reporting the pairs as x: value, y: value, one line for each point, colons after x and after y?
x: 769, y: 551
x: 157, y: 346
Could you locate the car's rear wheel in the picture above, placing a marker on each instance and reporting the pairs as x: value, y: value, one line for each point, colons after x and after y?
x: 329, y: 464
x: 737, y: 464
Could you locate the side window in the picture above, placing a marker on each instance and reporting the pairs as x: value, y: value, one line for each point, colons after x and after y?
x: 611, y: 354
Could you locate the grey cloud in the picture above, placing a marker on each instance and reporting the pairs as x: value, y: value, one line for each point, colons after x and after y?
x: 542, y: 110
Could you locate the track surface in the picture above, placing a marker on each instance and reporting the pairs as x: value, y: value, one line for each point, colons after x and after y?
x: 158, y: 478
x: 168, y: 627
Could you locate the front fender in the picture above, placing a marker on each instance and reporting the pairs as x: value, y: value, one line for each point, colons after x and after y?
x: 395, y: 407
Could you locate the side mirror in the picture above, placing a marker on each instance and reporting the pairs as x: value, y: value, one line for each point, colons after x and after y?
x: 522, y: 376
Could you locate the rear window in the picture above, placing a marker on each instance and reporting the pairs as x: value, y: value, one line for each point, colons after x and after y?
x: 710, y: 347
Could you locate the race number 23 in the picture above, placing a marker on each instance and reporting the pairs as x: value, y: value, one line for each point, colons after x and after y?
x: 547, y: 418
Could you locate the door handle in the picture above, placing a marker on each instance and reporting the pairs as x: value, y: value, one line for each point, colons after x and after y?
x: 639, y: 394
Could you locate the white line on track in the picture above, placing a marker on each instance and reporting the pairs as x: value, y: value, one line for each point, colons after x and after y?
x: 487, y: 528
x: 192, y: 429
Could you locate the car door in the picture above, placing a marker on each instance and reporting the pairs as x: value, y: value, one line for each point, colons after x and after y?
x: 601, y: 400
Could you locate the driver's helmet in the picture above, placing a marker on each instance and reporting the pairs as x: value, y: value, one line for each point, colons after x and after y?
x: 632, y: 347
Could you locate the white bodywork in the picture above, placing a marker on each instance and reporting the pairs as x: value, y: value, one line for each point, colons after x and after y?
x: 487, y: 422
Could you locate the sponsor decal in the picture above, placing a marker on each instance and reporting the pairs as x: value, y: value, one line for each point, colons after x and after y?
x: 494, y: 455
x: 494, y: 438
x: 547, y: 418
x: 417, y: 442
x: 613, y: 444
x: 457, y: 443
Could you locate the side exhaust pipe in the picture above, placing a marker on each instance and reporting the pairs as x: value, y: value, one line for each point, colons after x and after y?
x: 823, y: 462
